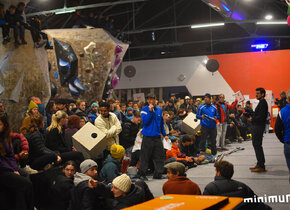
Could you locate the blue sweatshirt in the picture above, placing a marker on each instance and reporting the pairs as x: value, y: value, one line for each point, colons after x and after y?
x: 209, y: 110
x: 285, y: 117
x: 153, y: 124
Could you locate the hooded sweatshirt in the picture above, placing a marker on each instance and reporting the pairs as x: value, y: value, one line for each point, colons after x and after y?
x: 111, y: 169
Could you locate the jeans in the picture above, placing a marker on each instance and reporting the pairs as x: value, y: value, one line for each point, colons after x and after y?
x: 287, y: 155
x: 210, y: 134
x: 151, y: 148
x: 221, y: 134
x: 258, y: 131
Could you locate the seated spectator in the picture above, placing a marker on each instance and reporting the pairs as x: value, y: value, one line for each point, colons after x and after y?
x: 136, y: 149
x: 18, y: 190
x: 83, y: 197
x: 78, y: 20
x: 113, y: 109
x: 113, y: 163
x: 187, y: 147
x: 61, y: 104
x: 92, y: 20
x: 4, y: 25
x: 175, y: 153
x: 22, y: 21
x: 73, y: 127
x: 2, y: 108
x: 13, y: 21
x: 50, y: 110
x: 62, y: 186
x: 125, y: 193
x: 20, y: 148
x: 233, y: 133
x: 81, y: 110
x: 130, y: 113
x: 130, y: 103
x: 82, y: 122
x: 40, y: 157
x: 171, y: 107
x: 94, y: 113
x: 108, y: 123
x: 72, y: 106
x: 32, y: 111
x: 224, y: 185
x: 130, y: 128
x: 55, y: 138
x: 177, y: 182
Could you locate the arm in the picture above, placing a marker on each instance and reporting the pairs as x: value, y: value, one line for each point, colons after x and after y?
x: 279, y: 128
x: 217, y: 116
x: 233, y: 105
x: 100, y: 124
x: 162, y: 126
x: 147, y: 116
x: 199, y: 113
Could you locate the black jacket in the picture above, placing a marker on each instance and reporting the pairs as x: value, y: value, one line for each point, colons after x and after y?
x: 261, y: 113
x: 12, y: 19
x: 61, y: 192
x: 186, y: 106
x: 232, y: 188
x: 134, y: 197
x: 128, y: 134
x: 56, y: 141
x: 37, y: 146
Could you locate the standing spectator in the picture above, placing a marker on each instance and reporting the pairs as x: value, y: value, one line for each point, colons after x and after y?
x: 61, y: 104
x: 55, y: 138
x: 223, y: 108
x: 18, y: 190
x: 282, y: 129
x: 152, y: 146
x: 72, y: 127
x: 177, y: 182
x: 248, y: 108
x: 113, y: 163
x: 130, y: 128
x: 108, y: 123
x: 171, y: 107
x: 114, y: 109
x: 50, y: 110
x: 282, y: 101
x: 209, y: 118
x: 92, y: 20
x: 123, y: 109
x: 259, y: 121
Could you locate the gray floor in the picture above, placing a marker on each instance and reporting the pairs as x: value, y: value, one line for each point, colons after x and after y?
x: 274, y: 182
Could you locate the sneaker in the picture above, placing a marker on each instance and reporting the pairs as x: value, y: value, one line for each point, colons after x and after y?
x: 258, y: 170
x: 227, y: 141
x: 29, y: 170
x: 224, y: 149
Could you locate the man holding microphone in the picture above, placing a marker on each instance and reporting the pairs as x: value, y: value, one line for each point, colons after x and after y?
x: 152, y: 146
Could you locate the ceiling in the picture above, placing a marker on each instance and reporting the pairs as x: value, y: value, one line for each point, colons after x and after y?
x: 169, y: 22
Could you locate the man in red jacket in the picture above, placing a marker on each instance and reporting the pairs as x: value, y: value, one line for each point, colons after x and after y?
x: 223, y: 108
x: 177, y: 182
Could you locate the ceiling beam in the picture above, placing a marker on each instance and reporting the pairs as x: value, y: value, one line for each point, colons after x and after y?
x: 105, y: 4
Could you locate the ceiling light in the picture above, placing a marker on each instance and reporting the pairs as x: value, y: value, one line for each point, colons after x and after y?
x: 207, y: 25
x: 162, y: 53
x: 271, y: 23
x: 64, y: 11
x: 268, y: 17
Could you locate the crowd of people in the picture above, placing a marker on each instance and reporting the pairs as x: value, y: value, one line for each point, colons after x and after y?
x: 148, y: 135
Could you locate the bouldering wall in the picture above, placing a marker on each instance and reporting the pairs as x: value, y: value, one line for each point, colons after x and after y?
x: 83, y: 63
x: 23, y: 73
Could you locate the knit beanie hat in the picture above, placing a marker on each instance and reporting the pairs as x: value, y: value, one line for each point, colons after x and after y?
x: 87, y: 164
x: 123, y: 183
x: 117, y: 151
x: 32, y: 105
x: 94, y: 104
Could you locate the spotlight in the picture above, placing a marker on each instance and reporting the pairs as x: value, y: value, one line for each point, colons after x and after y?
x: 268, y: 17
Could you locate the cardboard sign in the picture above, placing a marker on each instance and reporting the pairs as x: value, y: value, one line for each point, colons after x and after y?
x: 239, y: 96
x: 139, y: 97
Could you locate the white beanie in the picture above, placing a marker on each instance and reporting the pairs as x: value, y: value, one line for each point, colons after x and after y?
x: 123, y: 183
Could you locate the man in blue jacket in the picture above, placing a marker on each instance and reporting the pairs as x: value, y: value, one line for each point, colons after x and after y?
x: 152, y: 146
x: 208, y: 115
x: 282, y: 129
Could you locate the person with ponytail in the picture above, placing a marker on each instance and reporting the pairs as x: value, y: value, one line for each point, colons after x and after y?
x: 55, y: 138
x: 16, y: 191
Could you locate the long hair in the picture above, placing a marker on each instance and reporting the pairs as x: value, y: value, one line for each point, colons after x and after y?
x: 74, y: 121
x: 35, y: 123
x: 55, y: 120
x: 5, y: 134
